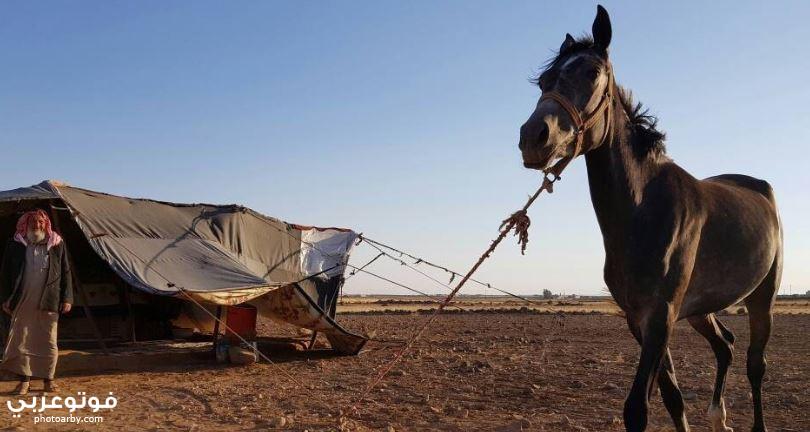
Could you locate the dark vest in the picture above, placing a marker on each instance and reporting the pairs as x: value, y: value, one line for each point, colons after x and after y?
x: 58, y: 286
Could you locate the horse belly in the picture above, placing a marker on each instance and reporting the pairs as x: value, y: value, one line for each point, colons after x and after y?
x: 738, y: 244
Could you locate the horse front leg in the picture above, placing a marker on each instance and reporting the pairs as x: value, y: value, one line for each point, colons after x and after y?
x: 655, y: 326
x: 668, y: 384
x: 671, y: 393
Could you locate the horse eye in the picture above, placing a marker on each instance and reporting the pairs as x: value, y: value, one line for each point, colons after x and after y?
x: 546, y: 79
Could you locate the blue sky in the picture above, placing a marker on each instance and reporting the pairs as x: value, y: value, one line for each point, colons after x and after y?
x: 397, y: 119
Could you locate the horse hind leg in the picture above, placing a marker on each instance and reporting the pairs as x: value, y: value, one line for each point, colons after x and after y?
x: 760, y: 318
x: 722, y: 342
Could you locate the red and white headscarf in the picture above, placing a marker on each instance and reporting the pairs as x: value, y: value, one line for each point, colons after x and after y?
x: 26, y: 219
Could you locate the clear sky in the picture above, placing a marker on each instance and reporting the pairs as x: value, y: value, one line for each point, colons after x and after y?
x: 397, y: 119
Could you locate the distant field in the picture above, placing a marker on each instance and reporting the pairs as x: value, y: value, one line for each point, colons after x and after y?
x: 603, y: 305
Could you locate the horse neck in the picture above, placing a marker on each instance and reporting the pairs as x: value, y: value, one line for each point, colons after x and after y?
x: 617, y: 178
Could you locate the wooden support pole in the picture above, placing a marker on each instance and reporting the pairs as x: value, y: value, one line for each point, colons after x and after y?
x: 216, y: 326
x: 127, y: 301
x: 88, y: 313
x: 77, y: 287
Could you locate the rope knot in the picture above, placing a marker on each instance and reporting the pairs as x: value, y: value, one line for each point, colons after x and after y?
x: 519, y: 221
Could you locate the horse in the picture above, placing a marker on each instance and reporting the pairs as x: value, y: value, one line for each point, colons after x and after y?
x: 676, y: 247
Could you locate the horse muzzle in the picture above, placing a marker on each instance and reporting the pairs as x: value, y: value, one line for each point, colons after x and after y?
x: 538, y: 159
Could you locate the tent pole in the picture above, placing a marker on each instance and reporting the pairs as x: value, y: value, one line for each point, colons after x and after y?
x: 86, y: 307
x: 216, y: 326
x: 130, y: 317
x: 77, y: 287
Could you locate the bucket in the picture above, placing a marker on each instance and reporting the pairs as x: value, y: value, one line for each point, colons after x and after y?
x: 240, y: 320
x: 243, y: 354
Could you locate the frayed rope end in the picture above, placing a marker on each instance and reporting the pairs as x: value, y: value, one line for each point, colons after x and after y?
x: 519, y: 222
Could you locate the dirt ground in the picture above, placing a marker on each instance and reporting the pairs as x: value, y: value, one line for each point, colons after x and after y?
x: 471, y: 371
x: 602, y: 305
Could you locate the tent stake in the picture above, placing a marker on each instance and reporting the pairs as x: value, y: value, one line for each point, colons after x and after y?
x: 312, y: 341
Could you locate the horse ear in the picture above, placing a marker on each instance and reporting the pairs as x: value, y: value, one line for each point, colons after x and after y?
x: 601, y: 29
x: 569, y: 40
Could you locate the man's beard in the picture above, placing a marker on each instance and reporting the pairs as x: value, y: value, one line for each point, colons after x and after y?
x: 36, y: 236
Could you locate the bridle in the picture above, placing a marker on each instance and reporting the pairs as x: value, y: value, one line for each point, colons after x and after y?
x: 583, y: 122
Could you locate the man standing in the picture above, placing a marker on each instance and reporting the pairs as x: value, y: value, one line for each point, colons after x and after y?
x: 35, y: 285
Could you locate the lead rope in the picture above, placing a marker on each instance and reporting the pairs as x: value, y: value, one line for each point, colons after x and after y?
x: 519, y: 221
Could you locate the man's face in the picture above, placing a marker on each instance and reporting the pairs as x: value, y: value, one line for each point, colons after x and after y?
x: 38, y: 223
x: 36, y: 228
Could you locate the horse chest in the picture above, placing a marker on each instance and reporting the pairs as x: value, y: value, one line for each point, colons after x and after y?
x: 640, y: 269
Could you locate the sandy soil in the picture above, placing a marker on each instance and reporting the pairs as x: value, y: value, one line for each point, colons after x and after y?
x: 472, y: 371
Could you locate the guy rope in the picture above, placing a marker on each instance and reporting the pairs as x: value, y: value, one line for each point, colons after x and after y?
x: 519, y: 222
x: 453, y: 274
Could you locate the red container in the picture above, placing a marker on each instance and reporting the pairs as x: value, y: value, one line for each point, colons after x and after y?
x: 240, y: 320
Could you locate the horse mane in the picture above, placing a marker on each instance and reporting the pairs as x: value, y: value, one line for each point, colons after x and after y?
x: 646, y: 139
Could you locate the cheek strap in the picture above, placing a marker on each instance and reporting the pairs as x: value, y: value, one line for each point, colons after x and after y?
x: 582, y: 125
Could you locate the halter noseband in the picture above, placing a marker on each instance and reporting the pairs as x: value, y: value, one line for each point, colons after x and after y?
x: 582, y: 123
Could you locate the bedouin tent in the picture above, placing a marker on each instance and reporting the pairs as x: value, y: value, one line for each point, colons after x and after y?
x: 215, y: 254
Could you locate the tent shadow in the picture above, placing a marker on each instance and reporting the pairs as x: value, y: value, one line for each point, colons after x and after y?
x: 172, y: 357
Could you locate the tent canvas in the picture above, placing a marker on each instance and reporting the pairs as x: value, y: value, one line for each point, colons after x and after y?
x: 216, y: 254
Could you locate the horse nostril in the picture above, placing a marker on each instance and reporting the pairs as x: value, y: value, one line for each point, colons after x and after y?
x: 522, y: 138
x: 542, y: 137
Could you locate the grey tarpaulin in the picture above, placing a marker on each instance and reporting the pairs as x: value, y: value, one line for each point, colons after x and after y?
x: 219, y: 254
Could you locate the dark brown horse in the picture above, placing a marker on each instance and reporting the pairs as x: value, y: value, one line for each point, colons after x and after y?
x: 675, y: 247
